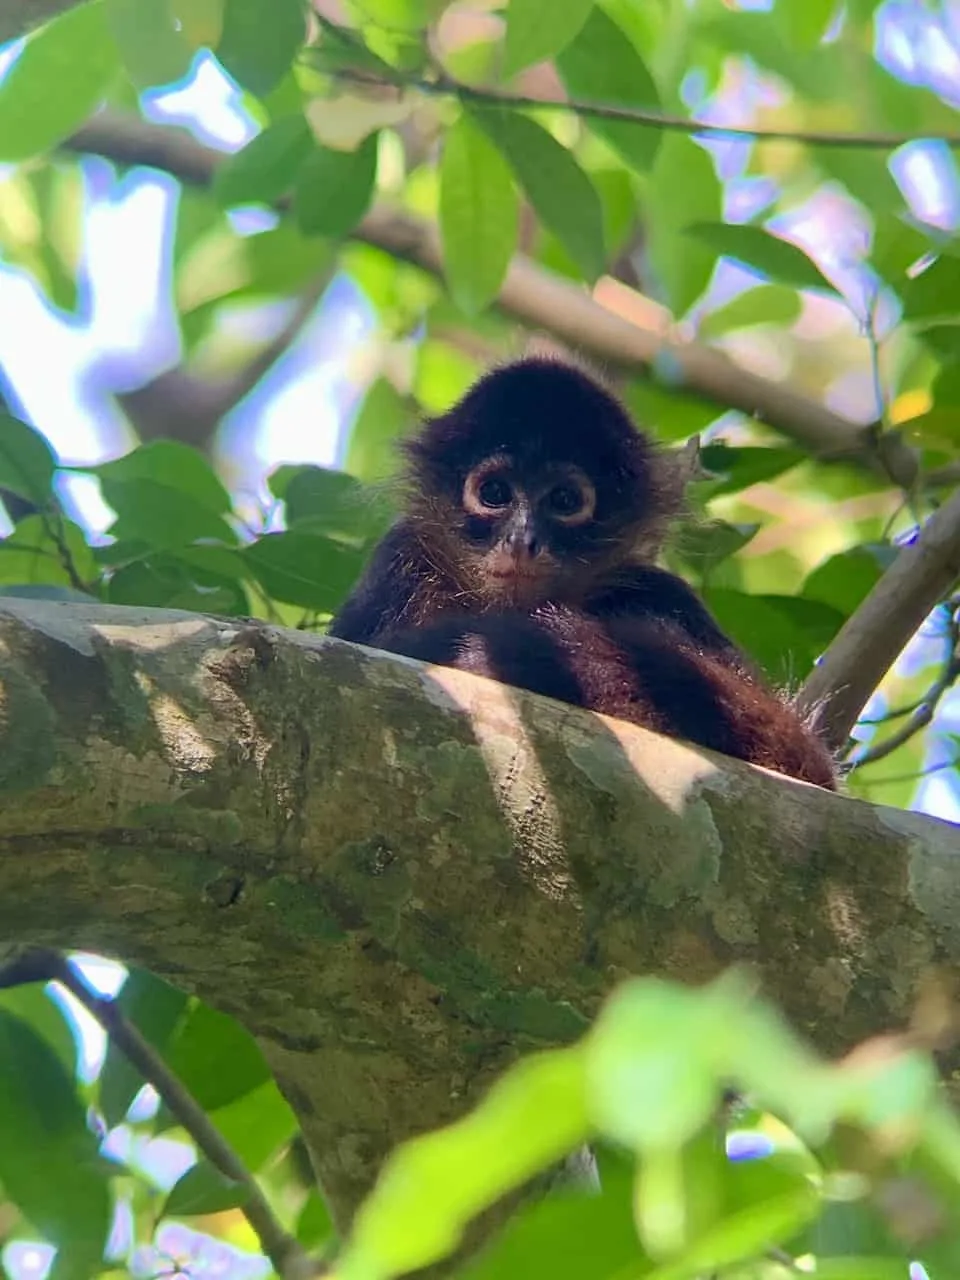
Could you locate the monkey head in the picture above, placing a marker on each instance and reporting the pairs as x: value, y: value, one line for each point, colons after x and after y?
x: 534, y: 485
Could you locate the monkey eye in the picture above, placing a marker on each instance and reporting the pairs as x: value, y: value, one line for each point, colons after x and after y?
x: 566, y: 500
x: 494, y: 492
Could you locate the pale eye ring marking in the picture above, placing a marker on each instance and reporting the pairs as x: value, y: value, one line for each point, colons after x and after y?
x: 571, y: 500
x: 487, y: 492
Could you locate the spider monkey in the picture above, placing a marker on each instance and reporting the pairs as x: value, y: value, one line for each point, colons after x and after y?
x: 534, y: 511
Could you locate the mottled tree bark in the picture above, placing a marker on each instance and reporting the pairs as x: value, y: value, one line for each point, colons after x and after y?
x: 399, y: 878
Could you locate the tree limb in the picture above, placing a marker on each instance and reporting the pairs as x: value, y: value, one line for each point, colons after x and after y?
x: 547, y: 301
x: 181, y: 405
x: 870, y: 640
x: 399, y: 877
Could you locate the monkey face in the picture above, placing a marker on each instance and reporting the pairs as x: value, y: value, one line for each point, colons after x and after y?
x: 532, y: 486
x: 525, y: 529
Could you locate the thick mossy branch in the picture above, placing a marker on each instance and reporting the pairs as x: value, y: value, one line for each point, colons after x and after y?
x: 398, y: 878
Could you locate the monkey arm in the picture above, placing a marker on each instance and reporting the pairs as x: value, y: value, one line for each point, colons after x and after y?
x: 383, y: 598
x: 643, y: 591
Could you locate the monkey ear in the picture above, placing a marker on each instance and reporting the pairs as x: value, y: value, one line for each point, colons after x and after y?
x: 689, y: 466
x: 677, y: 470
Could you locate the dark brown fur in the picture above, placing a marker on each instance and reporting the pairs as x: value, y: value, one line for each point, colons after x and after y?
x: 586, y: 618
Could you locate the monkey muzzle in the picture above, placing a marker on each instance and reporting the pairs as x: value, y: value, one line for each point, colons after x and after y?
x: 519, y: 566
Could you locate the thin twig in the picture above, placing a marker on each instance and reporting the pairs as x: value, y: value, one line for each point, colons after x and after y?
x: 447, y: 86
x: 921, y: 714
x: 286, y: 1255
x: 870, y: 640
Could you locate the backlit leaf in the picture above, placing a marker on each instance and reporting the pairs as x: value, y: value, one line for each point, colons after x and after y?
x: 478, y: 215
x: 151, y: 43
x: 766, y: 304
x: 602, y: 66
x: 160, y: 514
x: 383, y: 419
x: 172, y: 463
x: 154, y: 1008
x: 682, y: 187
x: 259, y: 40
x: 49, y: 1163
x: 334, y: 188
x: 562, y: 195
x: 267, y: 166
x: 27, y: 463
x: 304, y: 569
x: 539, y: 29
x: 763, y: 251
x: 432, y: 1186
x: 204, y: 1189
x: 58, y: 80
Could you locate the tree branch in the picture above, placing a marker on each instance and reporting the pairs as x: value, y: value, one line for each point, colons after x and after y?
x: 547, y: 301
x: 398, y: 877
x: 180, y: 404
x: 870, y: 641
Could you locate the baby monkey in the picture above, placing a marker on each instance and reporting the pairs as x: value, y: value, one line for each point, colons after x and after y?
x: 525, y: 553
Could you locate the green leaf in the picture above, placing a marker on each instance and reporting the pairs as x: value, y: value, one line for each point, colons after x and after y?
x: 765, y: 631
x: 161, y: 515
x: 334, y: 188
x: 539, y: 29
x: 682, y: 187
x: 170, y: 581
x: 562, y: 195
x: 934, y: 292
x: 314, y: 1225
x: 304, y: 569
x: 384, y: 418
x: 764, y: 1207
x: 943, y: 340
x: 803, y: 25
x: 866, y: 176
x: 846, y: 579
x: 678, y: 413
x: 650, y: 1077
x: 171, y: 463
x: 151, y: 43
x: 897, y: 246
x: 763, y: 251
x: 155, y: 1009
x: 320, y: 500
x: 259, y: 41
x: 738, y: 467
x: 45, y: 549
x: 267, y: 167
x: 32, y: 1004
x: 257, y: 1124
x: 766, y: 304
x: 57, y: 82
x: 27, y: 462
x: 602, y: 66
x: 204, y: 1189
x: 707, y: 544
x: 214, y: 1057
x: 479, y: 215
x: 566, y: 1237
x: 432, y: 1186
x: 49, y: 1164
